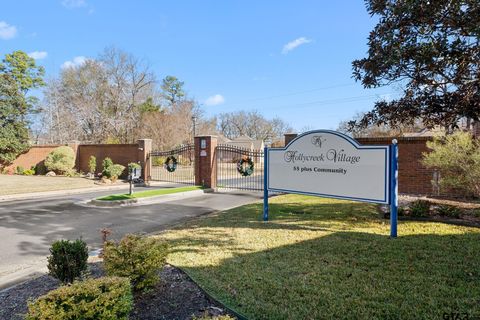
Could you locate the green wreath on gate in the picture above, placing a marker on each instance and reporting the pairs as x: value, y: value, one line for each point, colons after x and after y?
x: 245, y: 170
x: 171, y: 164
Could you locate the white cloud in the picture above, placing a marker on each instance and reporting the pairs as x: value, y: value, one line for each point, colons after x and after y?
x: 72, y: 4
x: 7, y: 31
x: 215, y: 100
x: 37, y: 55
x: 75, y: 62
x: 294, y: 44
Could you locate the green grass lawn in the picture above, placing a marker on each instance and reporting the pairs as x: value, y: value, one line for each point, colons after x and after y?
x: 148, y: 193
x: 330, y: 259
x: 16, y: 184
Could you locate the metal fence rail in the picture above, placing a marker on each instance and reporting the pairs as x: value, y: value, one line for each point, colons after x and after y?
x: 181, y: 163
x: 229, y: 166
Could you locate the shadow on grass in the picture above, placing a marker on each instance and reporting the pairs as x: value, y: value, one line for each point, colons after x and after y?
x: 352, y: 276
x: 298, y: 216
x: 340, y: 267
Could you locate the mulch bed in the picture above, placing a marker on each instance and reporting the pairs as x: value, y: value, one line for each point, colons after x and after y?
x: 174, y: 297
x: 463, y: 204
x: 466, y: 218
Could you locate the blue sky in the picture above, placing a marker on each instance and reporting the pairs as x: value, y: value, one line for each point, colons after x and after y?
x: 290, y: 59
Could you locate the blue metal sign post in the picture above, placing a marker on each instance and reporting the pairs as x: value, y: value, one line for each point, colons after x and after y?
x: 265, y: 184
x: 393, y: 188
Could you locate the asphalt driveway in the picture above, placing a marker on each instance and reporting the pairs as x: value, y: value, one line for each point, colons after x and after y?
x: 27, y: 228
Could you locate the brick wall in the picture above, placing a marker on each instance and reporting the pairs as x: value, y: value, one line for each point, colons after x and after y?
x: 413, y: 177
x: 119, y: 153
x: 33, y: 157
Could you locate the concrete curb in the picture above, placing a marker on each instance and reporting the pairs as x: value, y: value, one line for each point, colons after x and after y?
x: 149, y: 200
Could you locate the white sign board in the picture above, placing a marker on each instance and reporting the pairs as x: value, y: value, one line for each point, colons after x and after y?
x: 331, y: 164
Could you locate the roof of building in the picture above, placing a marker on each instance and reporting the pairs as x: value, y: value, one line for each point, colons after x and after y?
x: 245, y: 142
x: 435, y: 132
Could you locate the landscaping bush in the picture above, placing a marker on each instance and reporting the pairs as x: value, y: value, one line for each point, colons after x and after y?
x: 72, y: 173
x: 68, y: 259
x: 92, y: 164
x: 448, y: 211
x: 133, y: 165
x: 137, y: 258
x: 110, y: 170
x: 158, y: 161
x: 102, y: 298
x: 61, y: 160
x: 420, y: 208
x: 29, y: 172
x: 115, y: 171
x: 19, y: 170
x: 106, y: 163
x: 457, y: 159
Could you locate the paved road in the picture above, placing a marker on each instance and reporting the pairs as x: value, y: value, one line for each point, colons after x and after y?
x: 27, y: 228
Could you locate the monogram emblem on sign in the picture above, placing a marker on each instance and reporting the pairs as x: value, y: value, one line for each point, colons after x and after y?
x: 317, y: 141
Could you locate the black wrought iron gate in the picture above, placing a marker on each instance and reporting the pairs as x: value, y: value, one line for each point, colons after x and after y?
x: 239, y: 168
x: 177, y: 165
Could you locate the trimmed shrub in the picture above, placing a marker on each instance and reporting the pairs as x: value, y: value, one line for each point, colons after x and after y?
x: 29, y: 172
x: 72, y: 173
x: 158, y: 161
x: 457, y: 159
x: 110, y: 170
x: 102, y: 298
x: 106, y: 163
x: 61, y: 160
x: 133, y: 165
x: 449, y: 211
x: 115, y: 171
x: 19, y: 170
x: 68, y: 260
x: 137, y: 258
x: 92, y: 164
x: 420, y: 208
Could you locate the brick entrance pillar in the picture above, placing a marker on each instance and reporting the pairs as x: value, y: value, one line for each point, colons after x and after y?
x: 205, y: 168
x: 144, y: 149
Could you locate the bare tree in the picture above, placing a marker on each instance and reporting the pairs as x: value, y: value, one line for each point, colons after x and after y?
x: 373, y: 130
x: 99, y: 101
x: 173, y: 126
x: 251, y: 124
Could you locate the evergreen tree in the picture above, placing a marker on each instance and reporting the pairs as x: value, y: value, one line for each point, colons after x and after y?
x: 432, y: 49
x: 18, y: 75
